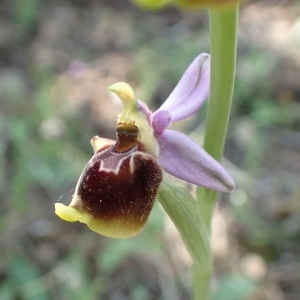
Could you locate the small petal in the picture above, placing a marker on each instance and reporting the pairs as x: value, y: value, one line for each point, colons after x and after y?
x: 191, y: 91
x: 183, y: 158
x: 161, y: 120
x: 99, y: 143
x: 144, y: 109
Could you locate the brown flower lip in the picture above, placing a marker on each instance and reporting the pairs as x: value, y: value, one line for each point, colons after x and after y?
x: 125, y: 197
x: 116, y: 191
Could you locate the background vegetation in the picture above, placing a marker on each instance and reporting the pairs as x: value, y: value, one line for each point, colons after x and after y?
x: 56, y: 60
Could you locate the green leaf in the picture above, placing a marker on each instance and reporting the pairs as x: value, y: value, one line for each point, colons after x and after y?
x: 184, y: 211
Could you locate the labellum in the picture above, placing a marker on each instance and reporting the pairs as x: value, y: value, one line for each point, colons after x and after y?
x: 116, y: 191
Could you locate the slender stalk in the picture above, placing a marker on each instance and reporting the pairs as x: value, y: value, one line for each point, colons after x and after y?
x: 223, y: 42
x: 223, y: 39
x: 223, y: 30
x: 201, y: 283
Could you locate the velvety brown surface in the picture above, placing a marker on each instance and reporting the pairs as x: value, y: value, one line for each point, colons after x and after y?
x: 107, y: 195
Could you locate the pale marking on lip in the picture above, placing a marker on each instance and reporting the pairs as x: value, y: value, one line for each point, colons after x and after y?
x: 116, y: 169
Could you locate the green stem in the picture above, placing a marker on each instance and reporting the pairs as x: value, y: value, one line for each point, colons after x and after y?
x: 201, y: 282
x: 223, y: 42
x: 223, y: 26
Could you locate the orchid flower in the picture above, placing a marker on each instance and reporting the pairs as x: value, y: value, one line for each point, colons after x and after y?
x: 116, y: 190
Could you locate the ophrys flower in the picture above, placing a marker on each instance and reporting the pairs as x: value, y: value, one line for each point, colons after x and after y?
x: 116, y: 191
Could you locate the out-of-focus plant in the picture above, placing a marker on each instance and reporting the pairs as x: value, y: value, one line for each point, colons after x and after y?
x: 26, y: 13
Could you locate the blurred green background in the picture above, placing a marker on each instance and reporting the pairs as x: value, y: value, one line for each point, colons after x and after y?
x: 56, y: 60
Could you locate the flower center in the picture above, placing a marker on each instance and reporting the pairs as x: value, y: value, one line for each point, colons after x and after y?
x: 133, y: 126
x: 127, y: 137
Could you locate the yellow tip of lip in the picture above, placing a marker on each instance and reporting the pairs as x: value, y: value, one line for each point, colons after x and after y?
x: 67, y: 213
x: 114, y: 228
